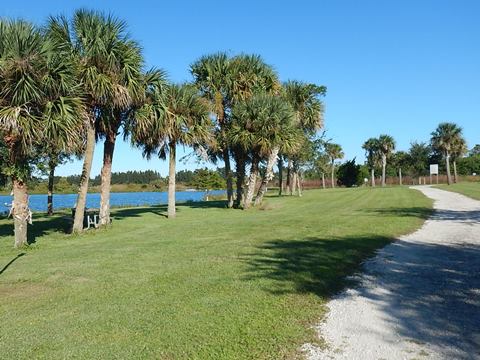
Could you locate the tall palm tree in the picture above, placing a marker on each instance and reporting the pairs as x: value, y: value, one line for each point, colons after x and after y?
x: 176, y: 115
x: 444, y: 139
x: 249, y: 75
x: 459, y: 149
x: 212, y: 76
x: 334, y: 152
x: 108, y: 127
x: 38, y: 102
x: 309, y: 109
x: 371, y: 148
x: 100, y: 44
x: 386, y: 145
x: 263, y: 124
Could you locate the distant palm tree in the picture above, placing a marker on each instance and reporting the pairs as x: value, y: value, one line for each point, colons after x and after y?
x: 334, y: 152
x: 175, y: 115
x: 371, y: 148
x: 458, y: 150
x: 386, y: 145
x: 263, y: 125
x: 443, y: 139
x: 39, y: 106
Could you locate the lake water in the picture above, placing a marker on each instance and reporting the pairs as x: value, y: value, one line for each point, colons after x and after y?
x: 62, y: 201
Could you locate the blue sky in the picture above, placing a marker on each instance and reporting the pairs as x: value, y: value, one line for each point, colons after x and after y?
x: 395, y: 67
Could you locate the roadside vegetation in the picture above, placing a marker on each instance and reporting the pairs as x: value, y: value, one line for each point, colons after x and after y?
x: 471, y: 189
x: 214, y: 284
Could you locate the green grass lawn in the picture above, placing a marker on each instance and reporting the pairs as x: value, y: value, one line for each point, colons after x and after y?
x: 471, y: 189
x: 211, y: 284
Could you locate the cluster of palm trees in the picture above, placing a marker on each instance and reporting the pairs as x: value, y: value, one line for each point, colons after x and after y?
x: 447, y: 140
x: 80, y: 80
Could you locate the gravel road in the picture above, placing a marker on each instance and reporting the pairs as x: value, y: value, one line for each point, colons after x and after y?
x: 419, y: 298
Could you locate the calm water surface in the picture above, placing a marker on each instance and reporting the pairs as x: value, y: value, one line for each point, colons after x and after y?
x: 62, y: 201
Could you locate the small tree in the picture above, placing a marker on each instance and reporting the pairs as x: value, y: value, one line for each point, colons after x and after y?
x: 207, y: 180
x: 350, y: 174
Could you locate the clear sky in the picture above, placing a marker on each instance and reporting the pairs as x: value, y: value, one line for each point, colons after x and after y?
x: 395, y: 67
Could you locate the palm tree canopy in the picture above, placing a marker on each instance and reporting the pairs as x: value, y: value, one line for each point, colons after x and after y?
x: 305, y: 100
x: 334, y: 151
x: 175, y: 115
x: 371, y: 148
x: 263, y: 122
x: 39, y: 101
x: 445, y: 137
x: 250, y: 75
x: 459, y: 147
x: 212, y: 76
x: 109, y: 61
x: 386, y: 144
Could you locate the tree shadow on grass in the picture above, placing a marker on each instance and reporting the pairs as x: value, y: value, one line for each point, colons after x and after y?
x: 461, y: 216
x: 11, y: 262
x: 311, y: 265
x: 161, y: 210
x: 430, y: 292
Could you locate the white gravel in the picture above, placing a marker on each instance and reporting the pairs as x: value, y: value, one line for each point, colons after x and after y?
x: 419, y: 298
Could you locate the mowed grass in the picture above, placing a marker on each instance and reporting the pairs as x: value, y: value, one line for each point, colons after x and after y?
x: 212, y: 284
x: 471, y: 189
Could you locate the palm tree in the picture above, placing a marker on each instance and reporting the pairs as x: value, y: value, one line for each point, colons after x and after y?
x: 386, y: 145
x: 108, y: 64
x: 249, y: 75
x: 444, y: 139
x: 263, y: 124
x: 459, y: 149
x: 371, y: 148
x: 334, y: 152
x: 38, y: 102
x: 212, y: 76
x: 305, y: 100
x: 176, y: 115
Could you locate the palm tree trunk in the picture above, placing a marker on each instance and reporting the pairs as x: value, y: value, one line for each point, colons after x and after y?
x: 299, y: 184
x: 384, y: 166
x: 400, y: 175
x: 51, y: 176
x: 323, y: 180
x: 455, y: 175
x: 228, y: 173
x: 20, y: 212
x: 171, y: 180
x: 294, y: 182
x: 83, y: 189
x: 289, y: 177
x: 333, y: 174
x: 106, y: 177
x: 268, y: 175
x: 280, y: 176
x: 240, y: 164
x: 449, y: 175
x: 252, y: 181
x: 373, y: 177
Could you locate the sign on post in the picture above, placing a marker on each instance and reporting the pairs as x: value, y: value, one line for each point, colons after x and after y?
x: 433, y: 171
